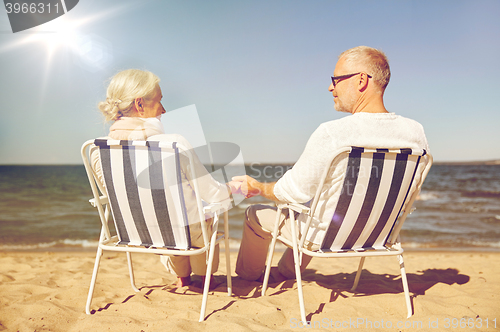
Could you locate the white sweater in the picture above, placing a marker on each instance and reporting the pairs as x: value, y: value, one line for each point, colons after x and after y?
x: 369, y: 130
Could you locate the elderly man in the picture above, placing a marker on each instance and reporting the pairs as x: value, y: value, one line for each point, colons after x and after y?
x: 360, y: 79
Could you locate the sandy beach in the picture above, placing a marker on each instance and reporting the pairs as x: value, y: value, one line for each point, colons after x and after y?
x: 46, y: 291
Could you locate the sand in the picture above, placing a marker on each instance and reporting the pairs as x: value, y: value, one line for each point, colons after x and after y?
x: 47, y: 292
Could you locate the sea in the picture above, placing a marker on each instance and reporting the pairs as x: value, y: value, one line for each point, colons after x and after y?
x: 46, y: 208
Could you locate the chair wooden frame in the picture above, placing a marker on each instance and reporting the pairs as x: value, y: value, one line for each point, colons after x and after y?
x: 392, y: 245
x: 110, y: 243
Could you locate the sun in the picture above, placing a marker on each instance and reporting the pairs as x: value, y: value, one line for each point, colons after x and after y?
x: 54, y: 36
x: 57, y: 34
x: 64, y: 35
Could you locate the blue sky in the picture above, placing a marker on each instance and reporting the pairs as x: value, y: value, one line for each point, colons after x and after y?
x: 257, y: 71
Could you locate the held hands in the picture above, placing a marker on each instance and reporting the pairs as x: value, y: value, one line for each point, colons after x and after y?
x: 244, y: 185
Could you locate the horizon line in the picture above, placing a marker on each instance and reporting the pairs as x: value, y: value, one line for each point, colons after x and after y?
x: 458, y: 162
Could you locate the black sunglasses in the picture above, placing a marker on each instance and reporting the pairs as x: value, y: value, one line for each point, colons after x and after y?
x: 337, y: 79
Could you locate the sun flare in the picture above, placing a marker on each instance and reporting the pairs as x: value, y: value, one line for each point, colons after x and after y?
x: 57, y: 34
x: 65, y: 34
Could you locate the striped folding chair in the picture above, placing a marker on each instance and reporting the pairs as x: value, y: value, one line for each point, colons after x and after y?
x: 379, y: 188
x: 143, y: 192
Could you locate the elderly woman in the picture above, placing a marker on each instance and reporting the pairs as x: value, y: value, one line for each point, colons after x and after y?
x: 133, y: 102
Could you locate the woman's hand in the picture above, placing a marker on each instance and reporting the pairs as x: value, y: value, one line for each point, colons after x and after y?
x: 250, y: 187
x: 245, y: 185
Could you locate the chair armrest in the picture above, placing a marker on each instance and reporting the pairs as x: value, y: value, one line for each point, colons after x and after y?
x: 294, y: 206
x: 103, y: 199
x: 215, y: 207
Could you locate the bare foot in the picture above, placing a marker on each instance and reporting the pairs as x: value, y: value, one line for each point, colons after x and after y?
x: 198, y: 283
x: 186, y: 281
x: 183, y: 281
x: 213, y: 285
x: 274, y: 277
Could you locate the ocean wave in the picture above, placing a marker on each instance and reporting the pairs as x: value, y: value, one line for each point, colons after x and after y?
x: 427, y: 196
x: 485, y: 244
x: 481, y: 194
x: 491, y: 219
x: 454, y: 246
x: 234, y: 245
x: 66, y: 243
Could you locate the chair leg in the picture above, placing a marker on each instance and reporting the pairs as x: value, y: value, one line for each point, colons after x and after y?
x: 228, y: 254
x: 298, y: 273
x: 358, y: 274
x: 271, y: 253
x: 405, y: 285
x: 92, y: 281
x: 131, y: 272
x: 207, y: 276
x: 299, y: 285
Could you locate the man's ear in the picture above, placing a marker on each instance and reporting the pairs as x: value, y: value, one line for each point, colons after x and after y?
x: 363, y: 82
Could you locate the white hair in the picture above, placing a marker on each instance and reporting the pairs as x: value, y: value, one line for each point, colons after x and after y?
x: 374, y: 62
x: 124, y: 88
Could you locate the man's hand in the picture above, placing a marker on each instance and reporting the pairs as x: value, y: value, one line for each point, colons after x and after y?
x: 244, y: 185
x: 250, y: 187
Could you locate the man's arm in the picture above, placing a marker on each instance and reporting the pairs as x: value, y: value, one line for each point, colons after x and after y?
x: 251, y: 187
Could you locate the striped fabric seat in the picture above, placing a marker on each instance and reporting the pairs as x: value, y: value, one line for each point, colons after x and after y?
x: 144, y: 187
x: 379, y: 188
x: 143, y: 192
x: 376, y: 186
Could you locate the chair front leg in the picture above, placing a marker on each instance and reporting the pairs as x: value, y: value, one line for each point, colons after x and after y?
x: 93, y: 279
x: 298, y: 273
x: 271, y: 253
x: 208, y: 275
x: 228, y: 253
x: 131, y: 272
x: 358, y: 274
x: 405, y: 285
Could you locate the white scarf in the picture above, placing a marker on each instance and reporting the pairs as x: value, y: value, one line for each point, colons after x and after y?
x: 135, y: 128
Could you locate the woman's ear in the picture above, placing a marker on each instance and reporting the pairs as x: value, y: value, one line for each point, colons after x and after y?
x: 139, y: 105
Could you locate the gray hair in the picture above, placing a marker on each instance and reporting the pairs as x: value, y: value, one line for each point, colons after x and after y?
x: 374, y: 62
x: 124, y: 88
